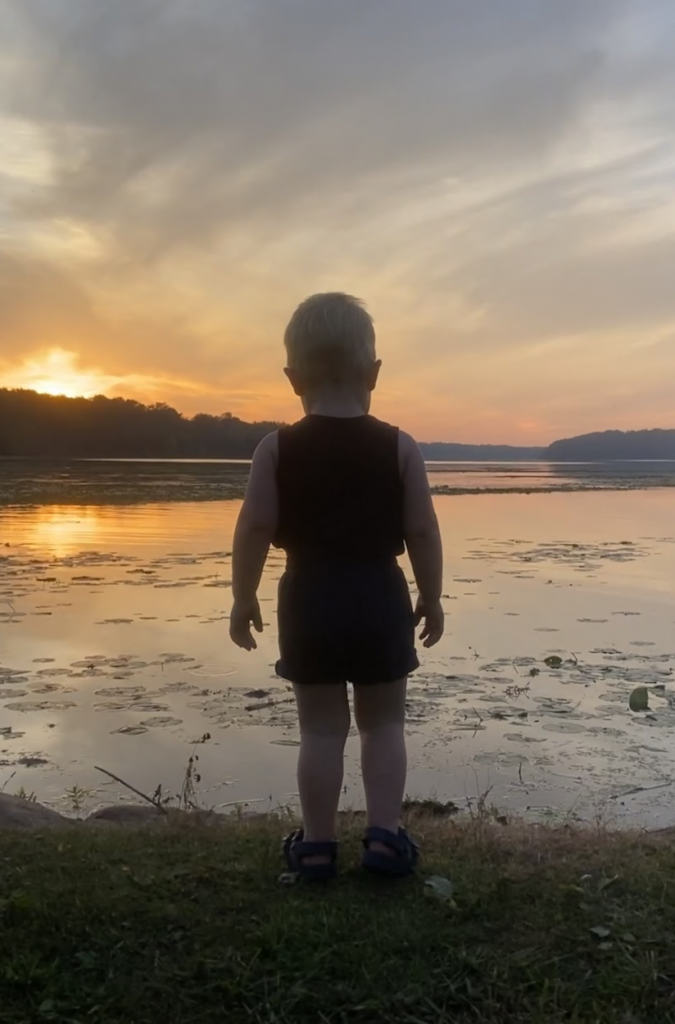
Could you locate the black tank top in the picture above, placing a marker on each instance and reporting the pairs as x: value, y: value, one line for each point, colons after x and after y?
x: 340, y: 491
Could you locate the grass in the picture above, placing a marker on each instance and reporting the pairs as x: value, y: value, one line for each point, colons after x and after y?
x: 190, y: 923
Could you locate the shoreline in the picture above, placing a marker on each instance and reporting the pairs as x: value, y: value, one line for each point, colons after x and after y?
x: 14, y: 502
x: 113, y: 628
x: 23, y: 812
x: 502, y: 924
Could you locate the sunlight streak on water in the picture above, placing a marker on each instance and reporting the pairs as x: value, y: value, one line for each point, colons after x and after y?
x: 114, y: 650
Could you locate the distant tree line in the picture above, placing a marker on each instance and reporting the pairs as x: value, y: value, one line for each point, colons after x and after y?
x: 610, y: 445
x: 441, y: 451
x: 36, y: 425
x: 44, y: 426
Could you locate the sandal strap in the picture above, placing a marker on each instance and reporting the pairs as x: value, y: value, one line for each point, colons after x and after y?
x: 303, y: 849
x: 296, y: 847
x: 400, y: 843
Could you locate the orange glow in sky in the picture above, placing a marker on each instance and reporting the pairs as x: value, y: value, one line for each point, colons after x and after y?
x: 201, y: 168
x: 55, y: 373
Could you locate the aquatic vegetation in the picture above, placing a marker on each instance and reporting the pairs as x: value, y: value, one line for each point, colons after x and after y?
x: 529, y: 691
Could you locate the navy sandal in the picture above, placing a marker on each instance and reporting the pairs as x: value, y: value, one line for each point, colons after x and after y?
x: 295, y: 849
x: 403, y: 857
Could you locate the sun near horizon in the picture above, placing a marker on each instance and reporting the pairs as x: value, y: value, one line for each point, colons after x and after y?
x: 176, y: 179
x: 55, y: 373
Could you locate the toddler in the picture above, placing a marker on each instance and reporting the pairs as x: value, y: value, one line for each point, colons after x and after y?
x: 343, y: 494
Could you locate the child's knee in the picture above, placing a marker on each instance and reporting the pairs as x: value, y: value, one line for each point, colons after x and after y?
x: 337, y: 729
x: 380, y: 727
x: 373, y: 718
x: 322, y: 722
x: 323, y: 710
x: 380, y: 707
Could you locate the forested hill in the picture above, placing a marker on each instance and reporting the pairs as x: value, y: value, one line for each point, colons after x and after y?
x: 614, y: 444
x: 45, y: 426
x: 440, y: 451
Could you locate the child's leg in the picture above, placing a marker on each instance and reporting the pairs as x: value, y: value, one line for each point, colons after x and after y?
x: 323, y: 711
x: 379, y: 710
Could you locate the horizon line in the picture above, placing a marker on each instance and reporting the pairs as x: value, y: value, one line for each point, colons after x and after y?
x: 47, y: 395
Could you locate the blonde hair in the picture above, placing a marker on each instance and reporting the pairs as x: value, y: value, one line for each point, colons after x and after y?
x: 330, y: 339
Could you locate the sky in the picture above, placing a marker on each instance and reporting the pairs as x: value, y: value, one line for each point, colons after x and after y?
x: 495, y: 180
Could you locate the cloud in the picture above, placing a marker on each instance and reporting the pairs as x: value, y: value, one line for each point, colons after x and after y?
x: 169, y: 123
x: 493, y: 178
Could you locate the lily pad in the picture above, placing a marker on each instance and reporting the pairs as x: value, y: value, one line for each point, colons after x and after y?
x: 160, y: 720
x: 639, y: 699
x: 120, y: 691
x: 45, y: 705
x: 131, y: 730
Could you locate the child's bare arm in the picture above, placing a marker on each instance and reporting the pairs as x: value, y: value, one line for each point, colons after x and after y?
x: 423, y: 539
x: 253, y: 535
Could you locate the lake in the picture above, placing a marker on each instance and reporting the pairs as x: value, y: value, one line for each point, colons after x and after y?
x: 114, y: 602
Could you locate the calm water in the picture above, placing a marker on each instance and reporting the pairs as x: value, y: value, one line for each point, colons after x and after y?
x: 114, y: 650
x: 119, y: 482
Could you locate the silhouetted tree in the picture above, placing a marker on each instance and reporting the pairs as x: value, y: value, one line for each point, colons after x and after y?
x: 35, y: 425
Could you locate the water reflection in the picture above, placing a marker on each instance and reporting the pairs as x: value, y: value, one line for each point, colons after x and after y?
x: 114, y: 651
x: 119, y: 482
x: 61, y: 530
x: 636, y: 473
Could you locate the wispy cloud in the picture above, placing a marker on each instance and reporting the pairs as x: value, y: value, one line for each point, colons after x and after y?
x: 495, y: 179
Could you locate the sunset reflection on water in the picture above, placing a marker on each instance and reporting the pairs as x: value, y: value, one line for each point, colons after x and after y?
x: 114, y: 650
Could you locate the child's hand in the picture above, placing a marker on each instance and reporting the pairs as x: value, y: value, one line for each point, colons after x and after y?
x: 245, y: 614
x: 434, y: 621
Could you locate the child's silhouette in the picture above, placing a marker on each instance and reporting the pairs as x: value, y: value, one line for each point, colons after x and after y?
x: 343, y: 494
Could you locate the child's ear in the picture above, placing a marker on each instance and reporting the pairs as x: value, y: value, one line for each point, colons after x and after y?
x: 296, y: 381
x: 373, y: 374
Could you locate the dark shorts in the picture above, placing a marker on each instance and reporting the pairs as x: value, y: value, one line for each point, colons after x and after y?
x: 345, y: 623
